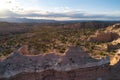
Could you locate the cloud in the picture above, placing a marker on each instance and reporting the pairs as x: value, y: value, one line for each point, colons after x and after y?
x: 14, y: 9
x: 8, y: 13
x: 72, y: 15
x: 10, y: 5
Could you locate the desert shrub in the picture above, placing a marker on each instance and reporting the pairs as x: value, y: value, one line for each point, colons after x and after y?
x: 102, y: 53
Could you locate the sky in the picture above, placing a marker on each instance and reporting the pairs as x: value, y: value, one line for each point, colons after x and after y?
x: 61, y: 9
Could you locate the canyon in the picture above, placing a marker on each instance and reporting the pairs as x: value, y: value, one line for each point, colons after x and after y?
x: 76, y: 63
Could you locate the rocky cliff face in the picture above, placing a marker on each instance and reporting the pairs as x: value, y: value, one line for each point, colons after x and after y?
x: 73, y: 65
x: 93, y: 73
x: 111, y: 33
x: 104, y: 37
x: 115, y: 68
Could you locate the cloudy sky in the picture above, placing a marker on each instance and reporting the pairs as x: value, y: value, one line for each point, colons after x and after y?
x: 61, y: 9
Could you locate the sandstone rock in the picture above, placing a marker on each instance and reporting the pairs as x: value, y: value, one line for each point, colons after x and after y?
x: 53, y: 66
x: 115, y: 42
x: 24, y: 50
x: 77, y: 56
x: 104, y: 37
x: 114, y: 28
x: 116, y: 58
x: 115, y: 69
x: 108, y: 34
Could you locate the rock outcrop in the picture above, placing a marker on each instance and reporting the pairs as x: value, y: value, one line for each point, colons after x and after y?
x: 115, y: 68
x: 110, y: 34
x: 104, y: 37
x: 75, y: 64
x: 116, y: 58
x: 114, y: 28
x: 24, y: 50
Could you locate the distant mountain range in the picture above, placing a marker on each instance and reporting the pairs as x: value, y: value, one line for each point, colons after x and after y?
x: 25, y: 20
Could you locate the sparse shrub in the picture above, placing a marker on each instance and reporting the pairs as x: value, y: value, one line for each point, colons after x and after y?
x: 102, y: 53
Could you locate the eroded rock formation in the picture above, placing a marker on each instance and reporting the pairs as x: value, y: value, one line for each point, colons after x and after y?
x: 115, y: 68
x: 104, y: 37
x: 75, y: 64
x: 111, y: 33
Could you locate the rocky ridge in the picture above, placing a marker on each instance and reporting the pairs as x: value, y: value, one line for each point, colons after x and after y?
x: 74, y: 58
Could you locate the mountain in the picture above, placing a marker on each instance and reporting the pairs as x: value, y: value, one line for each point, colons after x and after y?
x: 25, y: 20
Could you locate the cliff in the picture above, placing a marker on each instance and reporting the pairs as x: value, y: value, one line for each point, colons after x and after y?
x: 75, y: 64
x: 109, y: 34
